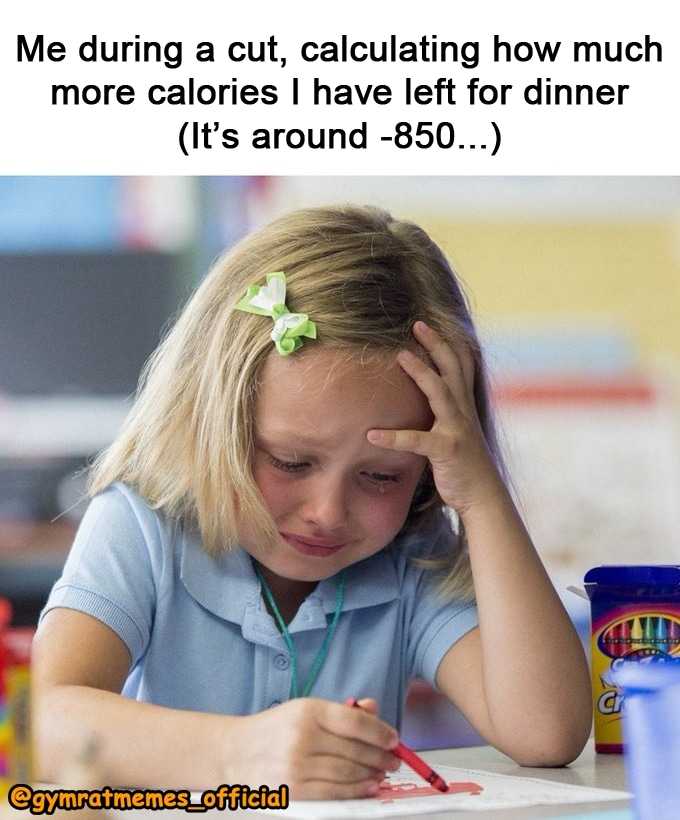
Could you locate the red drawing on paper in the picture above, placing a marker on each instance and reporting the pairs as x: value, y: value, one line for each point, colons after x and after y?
x: 390, y: 791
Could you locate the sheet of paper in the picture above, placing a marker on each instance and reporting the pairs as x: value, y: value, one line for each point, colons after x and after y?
x: 471, y: 790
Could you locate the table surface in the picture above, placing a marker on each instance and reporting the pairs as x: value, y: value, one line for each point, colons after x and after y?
x: 590, y: 769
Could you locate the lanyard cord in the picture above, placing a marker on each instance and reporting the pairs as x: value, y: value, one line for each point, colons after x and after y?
x: 323, y: 652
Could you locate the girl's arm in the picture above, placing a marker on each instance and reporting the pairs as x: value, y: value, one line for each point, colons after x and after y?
x: 522, y: 677
x: 322, y: 750
x: 79, y: 667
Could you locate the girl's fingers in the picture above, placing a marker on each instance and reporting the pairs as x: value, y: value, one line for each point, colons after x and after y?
x: 356, y: 736
x: 321, y: 790
x: 338, y: 770
x: 347, y: 760
x: 467, y: 361
x: 410, y: 441
x: 369, y: 705
x: 433, y: 385
x: 356, y: 724
x: 455, y: 365
x: 435, y: 445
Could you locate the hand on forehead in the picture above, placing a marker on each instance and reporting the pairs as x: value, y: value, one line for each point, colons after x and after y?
x: 332, y: 394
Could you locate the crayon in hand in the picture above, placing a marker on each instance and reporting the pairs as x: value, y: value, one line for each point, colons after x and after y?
x: 412, y: 759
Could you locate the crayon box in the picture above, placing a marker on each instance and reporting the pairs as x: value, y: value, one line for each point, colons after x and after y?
x: 15, y: 739
x: 635, y: 613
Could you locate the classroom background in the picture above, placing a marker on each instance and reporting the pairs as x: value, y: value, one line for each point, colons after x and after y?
x: 574, y: 283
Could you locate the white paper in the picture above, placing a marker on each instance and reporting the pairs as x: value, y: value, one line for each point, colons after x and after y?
x: 408, y: 794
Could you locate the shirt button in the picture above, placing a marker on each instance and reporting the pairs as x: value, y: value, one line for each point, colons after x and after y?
x: 281, y: 662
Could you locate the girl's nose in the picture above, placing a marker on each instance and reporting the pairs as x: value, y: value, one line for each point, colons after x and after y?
x: 326, y: 506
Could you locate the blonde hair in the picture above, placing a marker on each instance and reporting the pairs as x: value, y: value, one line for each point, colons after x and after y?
x: 364, y: 278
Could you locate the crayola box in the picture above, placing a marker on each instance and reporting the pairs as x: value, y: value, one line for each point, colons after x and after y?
x: 15, y: 743
x: 635, y: 613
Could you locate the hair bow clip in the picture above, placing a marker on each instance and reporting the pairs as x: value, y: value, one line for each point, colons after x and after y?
x: 270, y: 300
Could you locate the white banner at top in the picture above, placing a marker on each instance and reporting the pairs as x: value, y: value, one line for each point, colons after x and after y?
x: 354, y: 88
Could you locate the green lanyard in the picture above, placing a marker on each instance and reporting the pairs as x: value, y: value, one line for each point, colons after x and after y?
x: 323, y: 652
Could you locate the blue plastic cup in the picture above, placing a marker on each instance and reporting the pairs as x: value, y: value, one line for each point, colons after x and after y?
x: 651, y: 728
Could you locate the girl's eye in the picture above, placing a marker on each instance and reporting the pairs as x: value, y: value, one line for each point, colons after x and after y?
x: 383, y: 478
x: 288, y: 466
x: 298, y: 466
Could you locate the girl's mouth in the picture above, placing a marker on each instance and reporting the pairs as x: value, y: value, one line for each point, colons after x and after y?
x: 306, y: 548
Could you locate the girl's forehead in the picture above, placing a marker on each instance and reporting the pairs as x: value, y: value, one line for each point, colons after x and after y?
x: 325, y: 369
x: 329, y: 390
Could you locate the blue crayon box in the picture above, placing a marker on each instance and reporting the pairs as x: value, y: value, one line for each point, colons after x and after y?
x: 635, y: 616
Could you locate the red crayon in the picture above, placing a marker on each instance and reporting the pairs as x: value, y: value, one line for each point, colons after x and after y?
x: 413, y: 760
x: 624, y: 635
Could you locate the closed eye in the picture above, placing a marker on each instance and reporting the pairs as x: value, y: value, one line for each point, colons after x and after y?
x: 288, y: 466
x: 299, y: 466
x: 383, y: 477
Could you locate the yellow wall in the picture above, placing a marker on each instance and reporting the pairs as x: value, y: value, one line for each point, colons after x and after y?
x: 626, y: 273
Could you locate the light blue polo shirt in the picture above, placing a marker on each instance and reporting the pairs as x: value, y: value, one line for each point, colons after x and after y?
x: 199, y: 633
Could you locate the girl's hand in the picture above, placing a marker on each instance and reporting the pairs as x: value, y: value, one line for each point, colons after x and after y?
x: 462, y: 466
x: 322, y: 750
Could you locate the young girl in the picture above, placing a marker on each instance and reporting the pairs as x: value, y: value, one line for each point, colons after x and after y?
x: 269, y: 535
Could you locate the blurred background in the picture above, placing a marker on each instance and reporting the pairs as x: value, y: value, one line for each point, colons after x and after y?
x: 574, y: 284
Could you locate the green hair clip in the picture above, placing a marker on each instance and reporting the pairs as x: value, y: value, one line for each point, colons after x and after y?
x: 270, y: 300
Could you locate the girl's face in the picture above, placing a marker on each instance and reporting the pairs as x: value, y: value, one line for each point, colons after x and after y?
x: 335, y: 497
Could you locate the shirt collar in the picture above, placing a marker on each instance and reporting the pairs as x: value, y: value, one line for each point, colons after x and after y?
x: 227, y: 586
